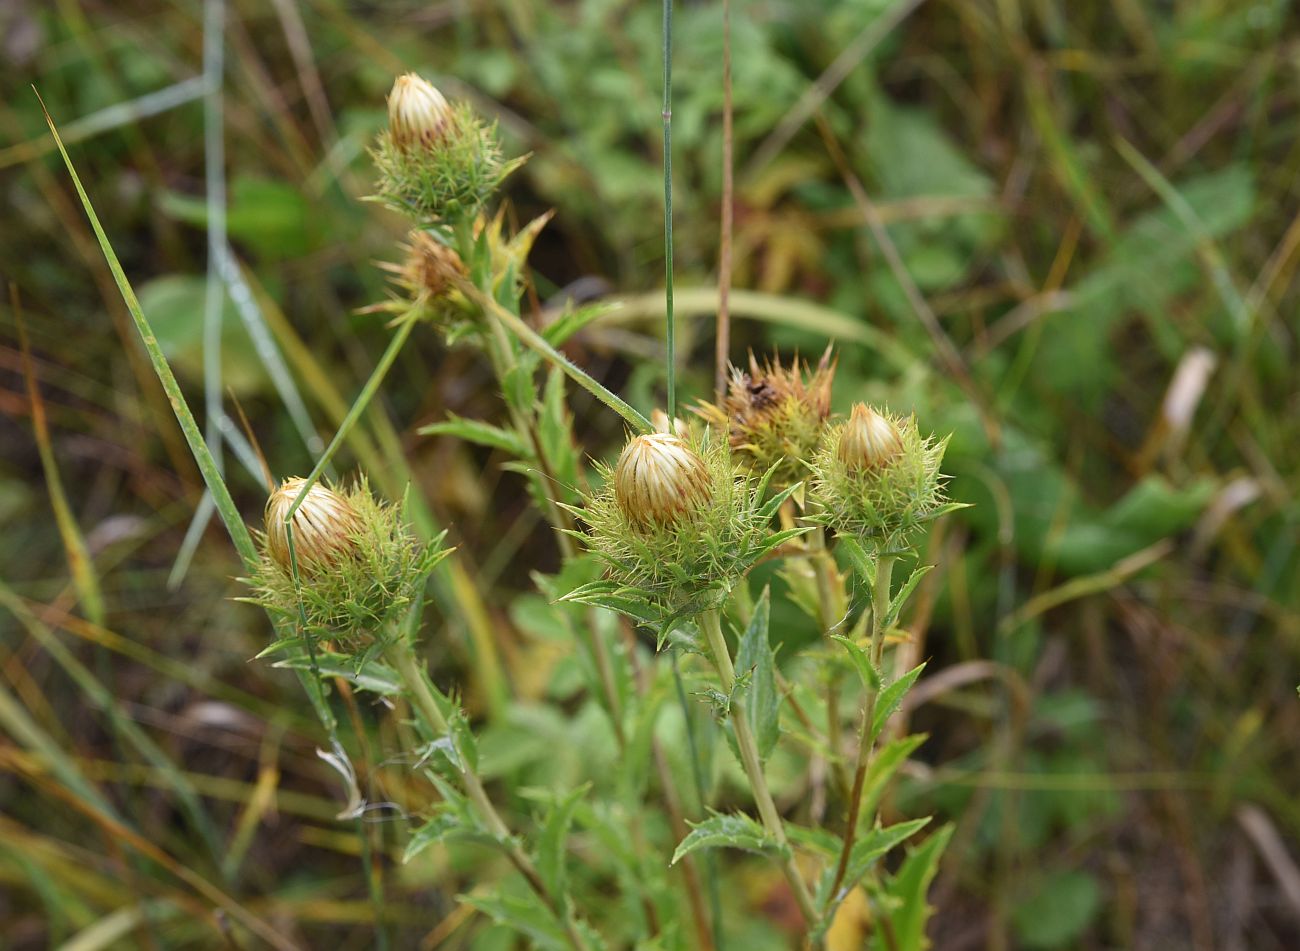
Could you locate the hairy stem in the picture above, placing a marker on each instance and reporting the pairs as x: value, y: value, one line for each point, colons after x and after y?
x: 866, y: 740
x: 402, y: 656
x: 749, y: 758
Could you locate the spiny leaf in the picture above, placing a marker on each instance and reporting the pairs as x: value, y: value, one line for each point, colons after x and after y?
x: 908, y: 888
x: 550, y: 845
x: 866, y: 851
x: 730, y: 832
x: 867, y: 672
x: 761, y: 699
x: 905, y: 592
x: 892, y: 696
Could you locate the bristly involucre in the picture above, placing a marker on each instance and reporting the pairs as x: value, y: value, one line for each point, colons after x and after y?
x: 359, y: 565
x: 689, y: 556
x: 874, y: 491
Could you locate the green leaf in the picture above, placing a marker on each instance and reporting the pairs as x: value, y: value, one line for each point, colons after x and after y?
x: 892, y: 696
x: 551, y: 843
x: 1057, y: 911
x: 867, y: 672
x: 908, y: 888
x: 864, y: 566
x: 905, y: 592
x: 372, y: 675
x: 728, y: 832
x: 273, y: 218
x: 555, y: 432
x: 479, y: 433
x: 761, y: 699
x: 525, y: 913
x: 866, y: 851
x: 573, y: 320
x: 883, y: 766
x: 174, y: 304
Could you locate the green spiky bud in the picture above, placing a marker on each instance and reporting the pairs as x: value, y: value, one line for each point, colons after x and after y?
x: 877, y: 479
x: 356, y: 564
x: 437, y: 162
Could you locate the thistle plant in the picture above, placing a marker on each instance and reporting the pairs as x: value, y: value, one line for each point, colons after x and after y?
x: 666, y: 535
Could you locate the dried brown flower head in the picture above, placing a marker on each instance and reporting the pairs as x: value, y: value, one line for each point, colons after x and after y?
x: 774, y: 415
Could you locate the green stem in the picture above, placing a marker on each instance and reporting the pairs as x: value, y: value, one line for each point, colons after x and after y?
x: 402, y: 656
x: 749, y: 758
x: 830, y: 597
x: 354, y: 413
x: 867, y: 739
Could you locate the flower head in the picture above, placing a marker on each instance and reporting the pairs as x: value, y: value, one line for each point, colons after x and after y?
x: 869, y: 439
x: 438, y: 163
x: 774, y: 415
x: 359, y: 563
x: 431, y: 268
x: 417, y: 113
x: 659, y: 479
x: 876, y: 479
x: 325, y: 526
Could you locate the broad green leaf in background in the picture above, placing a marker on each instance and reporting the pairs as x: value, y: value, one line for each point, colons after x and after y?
x: 1057, y: 911
x: 272, y: 218
x: 173, y: 305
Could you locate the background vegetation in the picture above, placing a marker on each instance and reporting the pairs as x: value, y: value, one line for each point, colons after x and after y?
x: 1094, y: 213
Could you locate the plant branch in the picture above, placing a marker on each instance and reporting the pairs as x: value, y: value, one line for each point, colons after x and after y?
x: 866, y: 740
x: 753, y: 765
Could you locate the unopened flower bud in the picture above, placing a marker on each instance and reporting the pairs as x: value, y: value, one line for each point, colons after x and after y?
x: 324, y: 526
x: 417, y: 113
x: 658, y: 479
x: 870, y: 440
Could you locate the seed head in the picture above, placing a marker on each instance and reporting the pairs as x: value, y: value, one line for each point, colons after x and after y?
x: 324, y: 527
x: 658, y: 479
x: 417, y: 113
x: 870, y: 440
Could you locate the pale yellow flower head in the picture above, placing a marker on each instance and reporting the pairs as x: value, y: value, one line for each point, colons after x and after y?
x: 870, y: 439
x: 417, y: 113
x: 659, y: 479
x: 324, y: 527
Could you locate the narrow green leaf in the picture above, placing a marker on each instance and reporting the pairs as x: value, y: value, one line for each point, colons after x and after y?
x: 905, y: 592
x: 372, y: 675
x: 892, y: 696
x: 551, y: 842
x: 908, y: 888
x: 573, y: 320
x: 867, y: 850
x: 479, y: 433
x: 883, y: 766
x: 761, y: 698
x: 864, y: 566
x: 728, y: 832
x: 867, y: 672
x: 525, y: 913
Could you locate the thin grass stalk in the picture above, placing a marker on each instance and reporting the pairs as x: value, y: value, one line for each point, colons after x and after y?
x: 722, y: 353
x: 711, y: 623
x: 866, y: 740
x: 670, y: 325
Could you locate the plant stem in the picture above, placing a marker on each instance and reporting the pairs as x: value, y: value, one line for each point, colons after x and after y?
x: 830, y: 597
x: 866, y: 740
x: 402, y: 656
x: 749, y: 758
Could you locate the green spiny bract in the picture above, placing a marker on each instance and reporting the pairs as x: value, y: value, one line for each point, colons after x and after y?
x: 662, y: 569
x: 882, y: 506
x: 448, y: 180
x: 360, y: 593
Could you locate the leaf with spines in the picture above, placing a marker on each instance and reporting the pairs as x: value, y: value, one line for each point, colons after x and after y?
x: 526, y: 913
x: 729, y: 832
x: 551, y: 842
x: 908, y: 887
x: 761, y: 699
x: 891, y: 696
x: 905, y: 592
x: 866, y: 670
x: 867, y: 850
x: 362, y: 673
x: 887, y: 760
